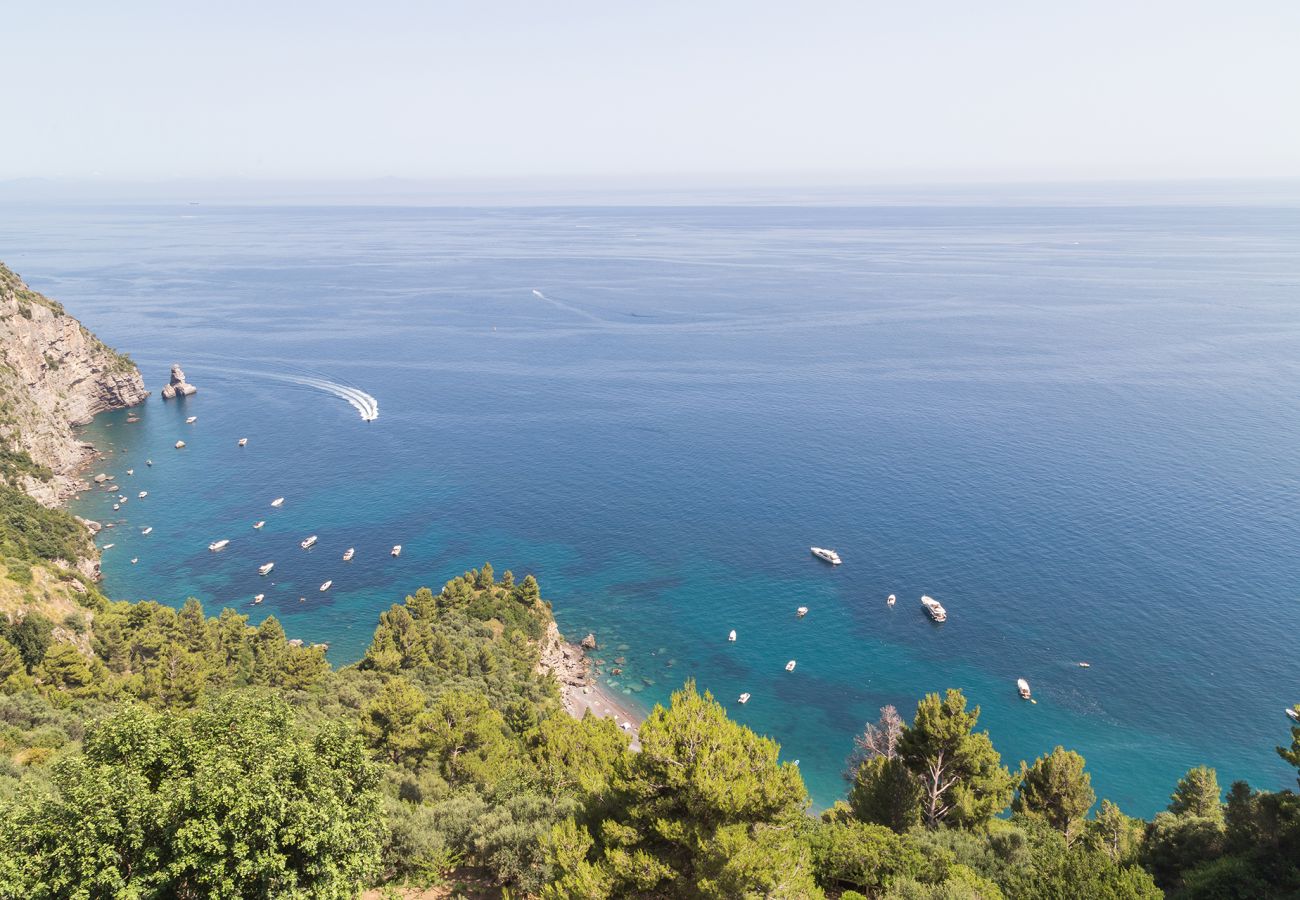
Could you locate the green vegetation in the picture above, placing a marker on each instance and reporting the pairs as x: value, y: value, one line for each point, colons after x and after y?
x: 34, y: 533
x: 147, y: 751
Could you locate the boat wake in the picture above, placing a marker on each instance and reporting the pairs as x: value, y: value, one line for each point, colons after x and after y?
x: 362, y: 402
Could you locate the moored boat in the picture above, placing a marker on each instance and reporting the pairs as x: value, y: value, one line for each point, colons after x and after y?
x: 259, y: 524
x: 143, y: 494
x: 347, y: 555
x: 891, y: 600
x: 789, y: 667
x: 397, y: 550
x: 278, y: 502
x: 801, y: 611
x: 934, y: 608
x: 218, y: 545
x: 1293, y: 715
x: 326, y: 586
x: 1023, y: 687
x: 262, y: 570
x: 732, y: 636
x: 130, y: 471
x: 243, y: 442
x: 180, y: 445
x: 109, y: 546
x: 307, y: 544
x: 829, y: 556
x: 191, y: 420
x: 148, y: 462
x: 744, y: 698
x: 148, y: 530
x: 259, y: 598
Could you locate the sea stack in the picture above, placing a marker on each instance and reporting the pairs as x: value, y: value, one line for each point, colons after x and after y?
x: 178, y: 386
x: 589, y: 642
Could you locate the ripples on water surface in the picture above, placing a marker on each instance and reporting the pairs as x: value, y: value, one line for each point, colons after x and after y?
x: 1077, y: 428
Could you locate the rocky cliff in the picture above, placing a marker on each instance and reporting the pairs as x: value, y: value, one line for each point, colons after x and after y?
x: 54, y: 374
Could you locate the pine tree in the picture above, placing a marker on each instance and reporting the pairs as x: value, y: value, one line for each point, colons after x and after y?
x: 1057, y: 789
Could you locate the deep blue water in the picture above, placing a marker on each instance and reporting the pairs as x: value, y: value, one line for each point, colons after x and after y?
x: 1079, y: 428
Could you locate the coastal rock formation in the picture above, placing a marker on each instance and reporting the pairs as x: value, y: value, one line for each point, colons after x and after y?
x: 54, y: 374
x: 178, y: 386
x: 565, y: 661
x: 589, y: 642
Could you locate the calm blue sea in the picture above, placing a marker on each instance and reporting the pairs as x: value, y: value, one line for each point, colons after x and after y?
x: 1078, y: 428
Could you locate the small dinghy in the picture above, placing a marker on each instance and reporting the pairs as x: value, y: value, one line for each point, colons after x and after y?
x: 148, y: 462
x: 326, y: 586
x: 243, y: 442
x: 109, y: 546
x: 801, y: 611
x: 259, y: 598
x: 148, y: 530
x: 116, y: 507
x: 259, y: 524
x: 180, y: 445
x: 142, y: 494
x: 789, y: 667
x: 397, y: 550
x: 130, y: 471
x: 134, y: 560
x: 732, y: 636
x: 1085, y: 665
x: 744, y: 698
x: 191, y: 420
x: 278, y: 502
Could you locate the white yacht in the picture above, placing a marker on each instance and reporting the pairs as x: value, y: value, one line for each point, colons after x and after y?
x: 259, y: 524
x: 1023, y: 687
x: 732, y: 636
x: 307, y: 544
x: 801, y: 611
x: 278, y: 502
x: 262, y: 570
x: 789, y: 667
x: 109, y: 546
x: 243, y: 442
x: 218, y: 545
x: 934, y: 608
x: 259, y: 598
x: 148, y: 530
x: 348, y: 554
x: 397, y: 550
x: 142, y: 494
x: 744, y: 698
x: 191, y: 420
x: 180, y: 445
x: 829, y: 555
x: 1293, y: 715
x: 326, y: 586
x: 891, y: 601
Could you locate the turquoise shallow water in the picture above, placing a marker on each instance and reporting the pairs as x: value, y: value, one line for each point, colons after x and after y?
x: 1076, y: 427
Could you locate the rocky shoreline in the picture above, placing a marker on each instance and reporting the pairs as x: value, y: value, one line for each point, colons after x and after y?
x: 579, y: 690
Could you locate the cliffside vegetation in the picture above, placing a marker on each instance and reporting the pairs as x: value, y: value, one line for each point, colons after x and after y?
x: 164, y: 753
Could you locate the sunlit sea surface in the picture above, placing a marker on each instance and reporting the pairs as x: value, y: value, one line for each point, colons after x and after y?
x: 1078, y: 428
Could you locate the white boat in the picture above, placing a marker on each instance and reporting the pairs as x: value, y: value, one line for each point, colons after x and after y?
x: 744, y: 698
x: 262, y: 570
x: 347, y: 554
x: 732, y: 636
x: 326, y: 586
x: 259, y: 524
x: 259, y: 598
x: 134, y: 560
x: 148, y: 462
x: 148, y: 530
x: 142, y: 494
x: 191, y: 420
x: 1085, y: 665
x: 934, y: 608
x: 218, y: 545
x: 397, y: 550
x: 829, y: 556
x: 243, y: 442
x: 1293, y: 715
x: 116, y: 507
x: 789, y: 667
x: 108, y: 524
x: 109, y: 546
x: 801, y: 611
x: 307, y: 544
x: 278, y: 502
x: 180, y: 445
x: 892, y: 600
x: 130, y: 471
x: 1023, y: 687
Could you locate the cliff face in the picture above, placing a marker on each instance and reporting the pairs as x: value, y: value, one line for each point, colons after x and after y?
x: 54, y: 374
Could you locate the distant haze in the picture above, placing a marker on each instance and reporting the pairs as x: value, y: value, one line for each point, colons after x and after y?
x: 705, y: 93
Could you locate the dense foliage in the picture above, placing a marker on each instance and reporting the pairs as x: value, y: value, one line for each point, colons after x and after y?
x: 156, y: 752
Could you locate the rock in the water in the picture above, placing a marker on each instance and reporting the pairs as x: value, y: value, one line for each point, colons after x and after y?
x: 101, y: 478
x: 589, y: 642
x: 178, y: 386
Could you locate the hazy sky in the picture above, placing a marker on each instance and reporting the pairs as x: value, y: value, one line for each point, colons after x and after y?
x: 817, y: 91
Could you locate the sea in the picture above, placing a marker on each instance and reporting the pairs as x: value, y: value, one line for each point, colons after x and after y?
x: 1075, y: 424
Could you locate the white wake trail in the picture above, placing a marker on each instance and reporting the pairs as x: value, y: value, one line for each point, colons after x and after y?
x: 362, y: 402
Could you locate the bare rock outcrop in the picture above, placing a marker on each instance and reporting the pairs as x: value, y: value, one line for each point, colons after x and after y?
x: 589, y: 642
x: 178, y: 386
x: 54, y: 374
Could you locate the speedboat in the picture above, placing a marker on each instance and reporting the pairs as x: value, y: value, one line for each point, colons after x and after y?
x: 891, y: 601
x: 829, y: 556
x: 789, y: 667
x: 180, y: 445
x: 218, y: 545
x: 397, y: 550
x: 307, y: 544
x: 1085, y: 665
x: 134, y: 560
x: 732, y: 636
x: 278, y: 502
x: 109, y: 546
x: 148, y: 462
x: 934, y: 608
x: 1023, y: 687
x: 326, y: 586
x: 191, y: 420
x: 148, y: 530
x: 262, y: 570
x: 243, y: 442
x: 259, y: 524
x: 744, y: 698
x: 130, y: 471
x: 1293, y: 715
x: 347, y: 554
x: 142, y: 494
x: 801, y: 611
x: 259, y: 598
